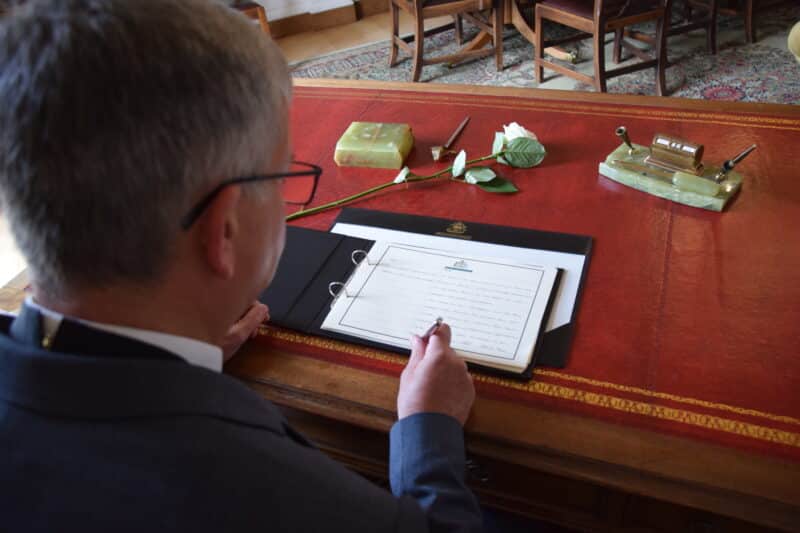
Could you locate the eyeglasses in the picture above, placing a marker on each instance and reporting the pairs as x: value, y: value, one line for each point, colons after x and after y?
x: 298, y: 191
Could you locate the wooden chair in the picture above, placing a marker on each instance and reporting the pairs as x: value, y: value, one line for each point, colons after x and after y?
x: 700, y: 14
x: 744, y: 8
x: 748, y: 9
x: 596, y: 18
x: 254, y: 11
x: 697, y: 14
x: 491, y: 26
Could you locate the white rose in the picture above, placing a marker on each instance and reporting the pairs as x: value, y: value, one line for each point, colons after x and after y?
x: 459, y: 163
x: 499, y: 143
x: 514, y: 130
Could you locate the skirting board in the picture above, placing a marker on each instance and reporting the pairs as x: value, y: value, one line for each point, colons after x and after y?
x: 312, y: 21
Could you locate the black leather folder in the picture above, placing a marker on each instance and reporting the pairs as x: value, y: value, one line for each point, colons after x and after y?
x: 298, y: 297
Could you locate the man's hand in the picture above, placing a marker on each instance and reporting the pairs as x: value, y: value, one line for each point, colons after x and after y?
x: 245, y: 328
x: 435, y: 379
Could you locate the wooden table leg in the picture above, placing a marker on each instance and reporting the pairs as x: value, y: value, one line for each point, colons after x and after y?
x: 479, y: 41
x: 512, y: 15
x: 515, y: 18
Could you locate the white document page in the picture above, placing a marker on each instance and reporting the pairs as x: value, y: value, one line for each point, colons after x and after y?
x: 570, y: 264
x: 494, y: 307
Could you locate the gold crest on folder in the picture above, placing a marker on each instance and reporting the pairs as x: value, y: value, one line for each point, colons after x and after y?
x: 455, y: 229
x: 459, y: 228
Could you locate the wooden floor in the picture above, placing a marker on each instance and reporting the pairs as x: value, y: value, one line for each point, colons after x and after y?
x: 11, y: 262
x: 367, y: 30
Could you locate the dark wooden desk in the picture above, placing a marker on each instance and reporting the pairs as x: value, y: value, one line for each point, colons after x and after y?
x: 680, y: 407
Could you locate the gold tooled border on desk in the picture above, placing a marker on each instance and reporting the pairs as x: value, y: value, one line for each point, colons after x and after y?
x: 666, y: 396
x: 576, y: 394
x: 670, y: 414
x: 635, y: 111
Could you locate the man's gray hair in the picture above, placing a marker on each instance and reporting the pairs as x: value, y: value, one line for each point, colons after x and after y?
x: 117, y: 115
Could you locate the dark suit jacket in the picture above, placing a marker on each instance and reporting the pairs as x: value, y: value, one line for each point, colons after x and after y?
x: 104, y: 433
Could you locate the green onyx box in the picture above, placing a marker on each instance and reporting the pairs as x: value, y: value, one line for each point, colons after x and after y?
x: 374, y: 145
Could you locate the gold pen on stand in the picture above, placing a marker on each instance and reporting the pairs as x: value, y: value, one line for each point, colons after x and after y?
x: 438, y: 151
x: 433, y: 329
x: 455, y: 134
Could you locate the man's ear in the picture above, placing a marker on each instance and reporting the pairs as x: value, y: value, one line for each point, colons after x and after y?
x: 219, y: 227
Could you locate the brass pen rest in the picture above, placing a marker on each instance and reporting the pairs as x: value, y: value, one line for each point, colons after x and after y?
x: 673, y: 169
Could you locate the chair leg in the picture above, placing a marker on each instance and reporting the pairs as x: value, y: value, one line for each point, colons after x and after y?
x: 618, y: 35
x: 687, y: 11
x: 419, y: 37
x: 599, y: 59
x: 538, y: 52
x: 749, y: 30
x: 497, y: 34
x: 459, y: 26
x: 395, y: 33
x: 711, y: 33
x: 662, y: 29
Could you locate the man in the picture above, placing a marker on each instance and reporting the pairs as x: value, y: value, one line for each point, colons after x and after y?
x: 117, y: 118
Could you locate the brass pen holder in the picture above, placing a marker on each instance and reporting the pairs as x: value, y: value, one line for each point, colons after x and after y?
x: 672, y: 168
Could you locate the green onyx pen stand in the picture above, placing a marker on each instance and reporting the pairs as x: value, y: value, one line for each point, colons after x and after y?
x: 671, y: 169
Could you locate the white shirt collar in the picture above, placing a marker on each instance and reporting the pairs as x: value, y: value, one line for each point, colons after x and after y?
x: 193, y: 351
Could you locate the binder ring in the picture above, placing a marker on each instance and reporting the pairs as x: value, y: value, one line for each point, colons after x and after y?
x: 365, y: 257
x: 336, y: 293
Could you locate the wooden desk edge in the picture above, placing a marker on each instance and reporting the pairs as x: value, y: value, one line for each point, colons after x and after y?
x: 304, y: 383
x: 685, y: 104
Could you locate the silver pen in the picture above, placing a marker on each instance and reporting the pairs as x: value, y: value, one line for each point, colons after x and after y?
x: 433, y: 329
x: 728, y: 165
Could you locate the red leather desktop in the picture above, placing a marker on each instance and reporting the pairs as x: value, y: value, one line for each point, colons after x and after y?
x: 682, y: 390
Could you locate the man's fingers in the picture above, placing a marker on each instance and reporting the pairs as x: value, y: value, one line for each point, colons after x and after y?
x: 417, y: 352
x: 248, y: 325
x: 444, y: 333
x: 440, y: 340
x: 257, y: 307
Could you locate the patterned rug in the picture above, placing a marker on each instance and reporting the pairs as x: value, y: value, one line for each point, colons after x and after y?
x: 761, y: 72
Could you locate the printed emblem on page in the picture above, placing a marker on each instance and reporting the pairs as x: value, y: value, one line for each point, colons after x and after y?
x: 459, y: 265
